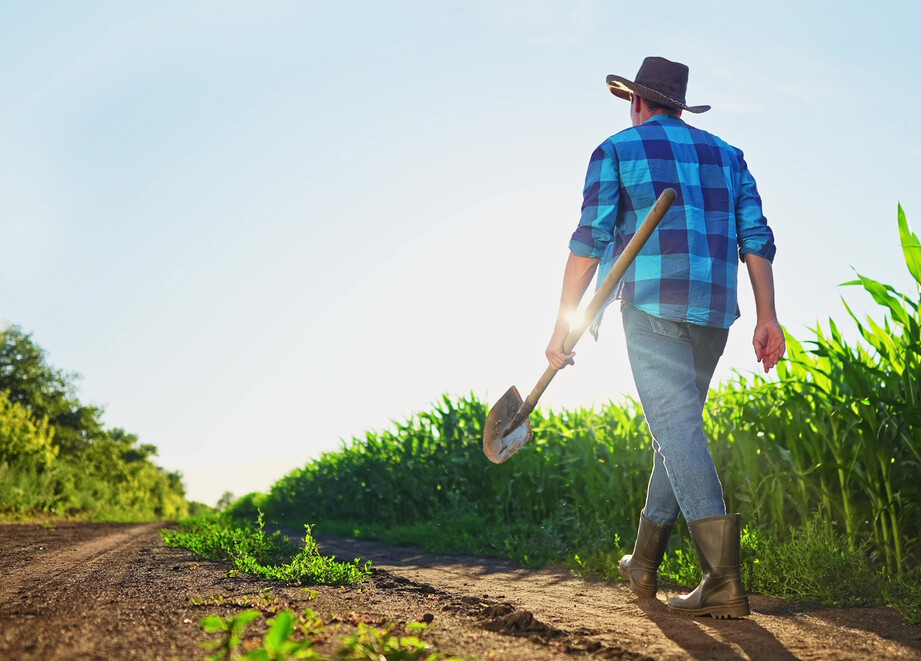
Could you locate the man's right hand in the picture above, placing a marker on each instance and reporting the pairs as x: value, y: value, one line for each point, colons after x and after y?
x: 558, y: 358
x: 576, y: 278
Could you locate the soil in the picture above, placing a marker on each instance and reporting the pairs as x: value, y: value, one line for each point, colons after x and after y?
x: 116, y: 591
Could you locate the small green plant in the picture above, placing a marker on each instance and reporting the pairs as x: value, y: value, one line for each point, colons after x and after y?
x: 291, y: 637
x: 231, y: 629
x: 373, y: 644
x: 264, y: 601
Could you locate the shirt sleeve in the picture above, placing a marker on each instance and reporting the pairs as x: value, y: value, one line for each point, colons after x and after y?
x: 754, y: 235
x: 599, y: 204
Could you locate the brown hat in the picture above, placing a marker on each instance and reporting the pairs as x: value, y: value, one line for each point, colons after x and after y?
x: 658, y: 80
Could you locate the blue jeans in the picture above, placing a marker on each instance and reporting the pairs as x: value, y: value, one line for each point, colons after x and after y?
x: 672, y: 364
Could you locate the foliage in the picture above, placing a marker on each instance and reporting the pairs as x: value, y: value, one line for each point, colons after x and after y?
x: 23, y: 437
x: 224, y: 501
x: 246, y: 508
x: 256, y: 552
x: 57, y: 457
x: 904, y: 593
x: 197, y: 508
x: 814, y: 561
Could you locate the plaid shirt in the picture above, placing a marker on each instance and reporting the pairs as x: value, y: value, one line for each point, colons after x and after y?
x: 688, y: 270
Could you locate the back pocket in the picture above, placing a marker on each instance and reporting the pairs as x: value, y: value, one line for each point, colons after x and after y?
x: 668, y: 328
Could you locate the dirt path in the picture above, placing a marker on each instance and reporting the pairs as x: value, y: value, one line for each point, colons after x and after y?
x: 108, y: 591
x: 605, y: 618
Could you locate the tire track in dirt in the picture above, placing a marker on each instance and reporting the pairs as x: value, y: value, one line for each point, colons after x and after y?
x: 55, y: 575
x: 51, y: 596
x: 101, y: 592
x: 605, y: 619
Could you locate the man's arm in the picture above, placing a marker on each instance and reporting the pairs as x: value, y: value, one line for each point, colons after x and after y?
x: 768, y: 339
x: 576, y: 278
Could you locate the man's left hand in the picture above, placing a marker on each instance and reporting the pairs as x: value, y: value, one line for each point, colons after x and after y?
x: 769, y: 342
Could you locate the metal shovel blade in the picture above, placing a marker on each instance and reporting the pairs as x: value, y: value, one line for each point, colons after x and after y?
x: 500, y: 443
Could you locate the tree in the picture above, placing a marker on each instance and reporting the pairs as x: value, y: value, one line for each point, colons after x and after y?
x: 224, y: 501
x: 45, y: 391
x: 22, y: 438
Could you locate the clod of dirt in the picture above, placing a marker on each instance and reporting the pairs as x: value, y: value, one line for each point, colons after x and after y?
x: 521, y: 623
x: 498, y: 610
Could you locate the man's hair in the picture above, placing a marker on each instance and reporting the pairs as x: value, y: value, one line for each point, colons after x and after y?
x: 655, y: 106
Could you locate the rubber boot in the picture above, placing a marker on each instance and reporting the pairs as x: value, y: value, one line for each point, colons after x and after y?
x: 720, y: 593
x: 641, y: 567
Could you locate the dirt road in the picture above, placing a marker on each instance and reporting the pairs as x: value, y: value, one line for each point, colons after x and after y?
x: 108, y: 591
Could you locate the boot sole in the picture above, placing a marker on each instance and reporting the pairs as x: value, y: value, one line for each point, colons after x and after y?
x: 731, y: 610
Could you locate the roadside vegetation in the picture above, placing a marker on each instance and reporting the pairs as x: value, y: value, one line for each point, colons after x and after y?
x: 822, y: 461
x: 287, y: 634
x: 57, y: 458
x: 252, y: 550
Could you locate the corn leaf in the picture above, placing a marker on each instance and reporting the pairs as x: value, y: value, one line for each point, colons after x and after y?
x: 911, y: 247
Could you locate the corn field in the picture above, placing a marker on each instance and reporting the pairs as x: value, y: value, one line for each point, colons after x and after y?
x: 836, y: 438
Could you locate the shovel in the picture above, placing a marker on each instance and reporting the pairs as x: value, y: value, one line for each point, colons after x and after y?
x: 508, y: 426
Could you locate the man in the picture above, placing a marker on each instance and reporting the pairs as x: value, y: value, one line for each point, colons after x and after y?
x: 678, y: 300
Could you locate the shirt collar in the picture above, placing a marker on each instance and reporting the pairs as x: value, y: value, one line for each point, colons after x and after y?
x: 663, y: 118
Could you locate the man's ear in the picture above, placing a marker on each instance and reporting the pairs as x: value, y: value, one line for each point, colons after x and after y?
x: 637, y: 106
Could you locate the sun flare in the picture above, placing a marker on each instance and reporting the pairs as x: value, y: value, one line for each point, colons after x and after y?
x: 575, y: 318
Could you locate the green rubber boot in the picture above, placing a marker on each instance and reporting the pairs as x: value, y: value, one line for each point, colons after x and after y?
x: 641, y: 567
x: 720, y: 593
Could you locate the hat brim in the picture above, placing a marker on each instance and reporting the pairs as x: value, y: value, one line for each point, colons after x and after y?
x: 623, y: 88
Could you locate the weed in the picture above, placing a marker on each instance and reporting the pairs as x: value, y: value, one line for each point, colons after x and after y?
x: 264, y: 601
x: 289, y: 636
x: 904, y: 593
x: 231, y: 628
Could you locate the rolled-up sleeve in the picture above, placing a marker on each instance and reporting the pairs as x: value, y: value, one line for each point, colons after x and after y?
x: 599, y: 204
x: 754, y: 235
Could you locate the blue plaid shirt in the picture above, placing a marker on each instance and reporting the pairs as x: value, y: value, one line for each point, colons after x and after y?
x: 688, y: 270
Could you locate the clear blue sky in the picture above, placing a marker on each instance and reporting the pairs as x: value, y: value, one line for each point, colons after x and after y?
x: 257, y: 228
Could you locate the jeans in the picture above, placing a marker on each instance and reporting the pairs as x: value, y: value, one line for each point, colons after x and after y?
x: 672, y: 364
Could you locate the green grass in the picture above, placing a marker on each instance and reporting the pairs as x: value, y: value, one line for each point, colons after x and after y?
x: 253, y: 551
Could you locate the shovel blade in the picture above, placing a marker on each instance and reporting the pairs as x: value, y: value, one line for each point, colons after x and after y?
x: 499, y: 444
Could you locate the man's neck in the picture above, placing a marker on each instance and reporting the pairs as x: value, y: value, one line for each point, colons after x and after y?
x: 645, y: 115
x: 655, y: 113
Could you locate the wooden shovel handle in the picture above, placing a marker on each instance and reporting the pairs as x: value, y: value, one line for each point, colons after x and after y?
x: 633, y: 247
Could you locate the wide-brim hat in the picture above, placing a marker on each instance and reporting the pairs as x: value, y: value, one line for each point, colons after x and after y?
x: 658, y: 80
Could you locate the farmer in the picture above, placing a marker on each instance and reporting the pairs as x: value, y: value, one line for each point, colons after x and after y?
x: 678, y: 300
